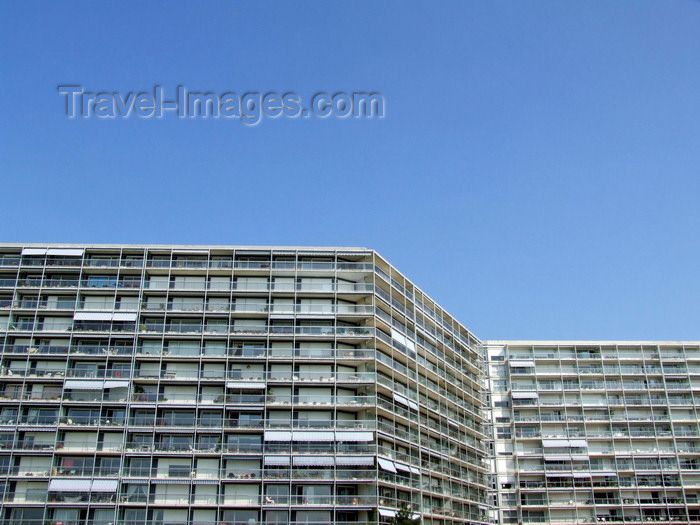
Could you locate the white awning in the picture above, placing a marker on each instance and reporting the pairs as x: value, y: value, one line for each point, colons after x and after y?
x: 387, y: 513
x: 93, y: 316
x: 313, y: 436
x: 169, y: 481
x: 524, y: 395
x: 401, y: 466
x: 386, y: 464
x: 116, y: 384
x: 104, y: 485
x: 277, y: 460
x: 341, y: 435
x: 70, y: 485
x: 277, y: 435
x: 400, y: 399
x: 522, y: 364
x: 578, y: 443
x: 556, y: 458
x: 555, y: 442
x: 83, y: 385
x: 245, y: 385
x: 579, y: 457
x: 414, y: 470
x: 76, y: 252
x: 315, y: 461
x: 355, y: 460
x: 34, y: 251
x: 124, y: 316
x: 412, y: 405
x: 603, y: 474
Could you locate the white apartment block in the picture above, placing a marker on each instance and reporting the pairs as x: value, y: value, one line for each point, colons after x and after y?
x: 595, y: 432
x: 173, y: 385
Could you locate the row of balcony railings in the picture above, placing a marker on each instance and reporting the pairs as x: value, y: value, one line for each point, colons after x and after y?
x: 243, y: 376
x: 648, y: 432
x: 612, y: 369
x: 606, y: 353
x: 187, y: 472
x: 116, y: 262
x: 549, y: 418
x: 181, y: 443
x: 140, y: 494
x: 605, y: 385
x: 325, y: 458
x: 627, y: 400
x: 232, y: 399
x: 153, y: 521
x: 646, y: 463
x: 197, y: 328
x: 200, y: 306
x: 298, y: 475
x: 244, y: 351
x: 138, y: 283
x: 183, y: 497
x: 385, y: 507
x: 609, y: 448
x: 585, y: 467
x: 209, y: 422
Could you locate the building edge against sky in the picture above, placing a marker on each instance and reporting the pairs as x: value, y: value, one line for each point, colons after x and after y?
x: 236, y: 385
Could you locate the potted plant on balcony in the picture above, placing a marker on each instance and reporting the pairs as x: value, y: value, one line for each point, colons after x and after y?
x: 404, y: 517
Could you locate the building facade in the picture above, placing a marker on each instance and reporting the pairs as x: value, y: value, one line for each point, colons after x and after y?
x: 232, y: 385
x: 595, y: 432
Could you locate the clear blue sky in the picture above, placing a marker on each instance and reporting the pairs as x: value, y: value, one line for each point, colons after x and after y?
x: 537, y: 171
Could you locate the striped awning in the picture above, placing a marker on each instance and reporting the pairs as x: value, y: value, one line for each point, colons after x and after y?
x: 313, y: 436
x: 401, y: 466
x: 104, y: 316
x: 355, y: 460
x: 124, y: 316
x: 75, y: 252
x: 400, y: 399
x: 34, y: 251
x: 169, y: 481
x: 318, y: 460
x: 524, y: 395
x: 277, y: 435
x: 522, y: 364
x: 386, y: 464
x: 76, y: 384
x: 245, y: 385
x: 555, y: 443
x: 277, y: 460
x: 104, y: 485
x: 70, y: 485
x: 341, y: 435
x: 93, y: 316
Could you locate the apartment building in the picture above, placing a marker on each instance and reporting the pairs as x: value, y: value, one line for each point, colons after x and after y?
x: 595, y: 432
x: 234, y: 386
